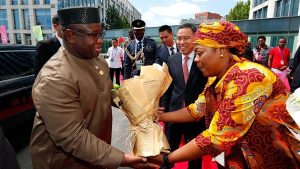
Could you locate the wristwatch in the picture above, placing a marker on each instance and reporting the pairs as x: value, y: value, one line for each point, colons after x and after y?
x: 166, y: 164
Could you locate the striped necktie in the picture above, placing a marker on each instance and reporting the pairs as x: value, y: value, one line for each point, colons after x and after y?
x: 172, y: 50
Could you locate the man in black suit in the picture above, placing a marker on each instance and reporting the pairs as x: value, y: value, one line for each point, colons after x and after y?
x: 296, y: 71
x: 140, y: 51
x: 188, y: 83
x: 47, y: 48
x: 168, y: 46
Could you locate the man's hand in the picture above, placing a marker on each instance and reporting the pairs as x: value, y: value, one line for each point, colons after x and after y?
x: 156, y: 159
x: 136, y: 162
x: 283, y: 68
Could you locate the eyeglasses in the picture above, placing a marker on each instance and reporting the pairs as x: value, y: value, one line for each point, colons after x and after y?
x: 94, y: 35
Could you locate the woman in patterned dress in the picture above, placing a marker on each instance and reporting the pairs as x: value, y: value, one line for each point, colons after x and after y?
x: 243, y: 104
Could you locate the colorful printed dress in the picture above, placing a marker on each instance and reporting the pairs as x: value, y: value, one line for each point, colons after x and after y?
x: 246, y: 118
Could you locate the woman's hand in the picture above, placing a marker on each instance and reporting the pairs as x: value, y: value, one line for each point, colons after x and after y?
x: 159, y: 113
x: 156, y: 159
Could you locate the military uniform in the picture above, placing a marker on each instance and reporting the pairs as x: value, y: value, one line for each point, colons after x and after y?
x: 131, y: 66
x: 138, y: 53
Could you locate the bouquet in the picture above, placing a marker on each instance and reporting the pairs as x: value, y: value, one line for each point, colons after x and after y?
x: 139, y: 98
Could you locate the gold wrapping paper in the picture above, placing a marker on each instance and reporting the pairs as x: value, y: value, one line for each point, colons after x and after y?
x: 138, y: 98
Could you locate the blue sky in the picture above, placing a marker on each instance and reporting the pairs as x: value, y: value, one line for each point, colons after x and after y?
x: 170, y: 12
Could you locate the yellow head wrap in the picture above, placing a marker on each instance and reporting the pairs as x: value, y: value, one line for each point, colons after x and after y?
x: 222, y: 34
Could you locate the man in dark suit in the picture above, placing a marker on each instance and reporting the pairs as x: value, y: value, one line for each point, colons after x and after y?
x: 188, y: 83
x: 140, y: 51
x: 168, y: 46
x: 47, y: 48
x: 296, y: 71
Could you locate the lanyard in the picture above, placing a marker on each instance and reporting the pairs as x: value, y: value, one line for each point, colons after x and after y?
x: 281, y: 53
x: 113, y: 56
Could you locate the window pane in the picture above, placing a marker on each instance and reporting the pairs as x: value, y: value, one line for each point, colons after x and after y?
x: 36, y: 2
x: 47, y: 36
x: 3, y: 18
x: 26, y: 18
x: 295, y: 8
x: 265, y: 11
x: 290, y: 42
x: 43, y: 18
x: 2, y: 2
x: 16, y: 19
x: 47, y: 2
x: 24, y: 2
x: 18, y: 39
x: 14, y: 2
x: 278, y: 9
x: 28, y: 39
x: 286, y: 5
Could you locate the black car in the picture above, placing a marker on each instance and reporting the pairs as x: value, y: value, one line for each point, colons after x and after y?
x: 16, y: 80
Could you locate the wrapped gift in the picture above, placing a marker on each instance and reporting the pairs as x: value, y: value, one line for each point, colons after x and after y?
x: 138, y: 98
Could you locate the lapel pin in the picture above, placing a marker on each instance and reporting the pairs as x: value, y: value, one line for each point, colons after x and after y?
x: 101, y: 72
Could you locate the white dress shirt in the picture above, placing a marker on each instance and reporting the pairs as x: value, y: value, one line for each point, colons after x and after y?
x: 190, y: 61
x: 115, y: 57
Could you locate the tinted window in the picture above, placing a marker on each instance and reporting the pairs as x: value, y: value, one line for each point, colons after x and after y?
x: 16, y: 62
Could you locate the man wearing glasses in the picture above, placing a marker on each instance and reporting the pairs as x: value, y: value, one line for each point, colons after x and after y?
x: 73, y: 123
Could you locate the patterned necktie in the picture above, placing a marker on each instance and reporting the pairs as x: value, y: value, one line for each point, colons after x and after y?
x: 172, y: 50
x: 140, y: 45
x: 185, y: 68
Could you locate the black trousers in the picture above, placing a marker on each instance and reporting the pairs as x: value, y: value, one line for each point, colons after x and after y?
x: 114, y: 71
x: 175, y: 131
x: 8, y: 159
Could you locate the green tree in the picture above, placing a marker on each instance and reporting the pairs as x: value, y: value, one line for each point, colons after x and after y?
x: 240, y: 11
x: 114, y: 20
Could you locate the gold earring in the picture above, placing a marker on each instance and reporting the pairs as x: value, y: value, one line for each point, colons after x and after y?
x: 221, y: 55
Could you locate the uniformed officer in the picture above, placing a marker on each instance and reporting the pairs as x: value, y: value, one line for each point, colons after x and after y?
x: 140, y: 51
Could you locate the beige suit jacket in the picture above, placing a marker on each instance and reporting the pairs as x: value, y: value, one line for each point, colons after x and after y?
x: 73, y: 123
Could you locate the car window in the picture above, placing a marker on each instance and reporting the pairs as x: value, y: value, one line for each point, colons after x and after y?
x: 16, y: 61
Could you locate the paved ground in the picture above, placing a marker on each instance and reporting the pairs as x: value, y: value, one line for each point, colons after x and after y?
x: 119, y: 135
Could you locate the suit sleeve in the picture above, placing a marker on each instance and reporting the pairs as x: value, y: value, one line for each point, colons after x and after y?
x: 40, y: 57
x: 127, y: 64
x: 165, y: 99
x: 296, y: 58
x: 65, y: 123
x: 157, y: 57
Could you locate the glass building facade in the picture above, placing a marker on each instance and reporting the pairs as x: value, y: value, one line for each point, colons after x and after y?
x: 3, y: 18
x: 26, y: 20
x: 16, y: 21
x: 43, y: 18
x: 25, y: 14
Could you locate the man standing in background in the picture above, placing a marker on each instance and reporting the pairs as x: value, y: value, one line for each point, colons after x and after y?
x: 261, y: 51
x: 47, y: 48
x: 168, y: 46
x: 140, y: 52
x: 115, y: 56
x: 279, y: 60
